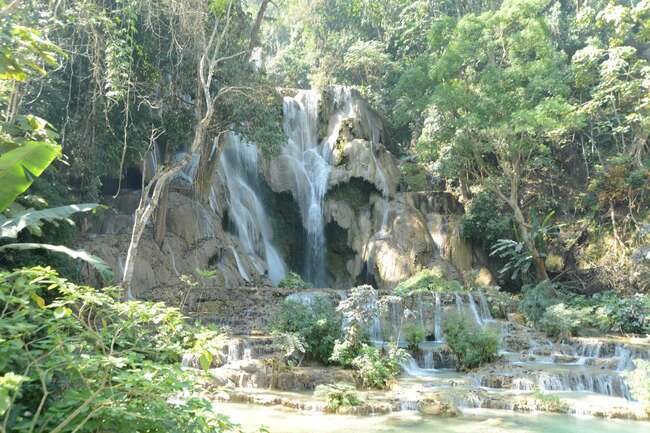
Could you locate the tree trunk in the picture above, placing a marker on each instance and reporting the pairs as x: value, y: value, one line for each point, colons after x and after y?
x: 160, y: 217
x: 538, y: 260
x: 210, y: 156
x: 256, y: 26
x: 143, y: 214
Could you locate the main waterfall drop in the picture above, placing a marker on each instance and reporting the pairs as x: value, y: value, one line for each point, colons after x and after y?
x: 239, y: 165
x: 310, y: 171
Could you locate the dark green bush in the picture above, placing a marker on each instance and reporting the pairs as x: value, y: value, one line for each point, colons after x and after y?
x: 317, y: 323
x: 472, y: 345
x: 485, y: 222
x: 293, y: 281
x: 536, y: 298
x: 414, y: 334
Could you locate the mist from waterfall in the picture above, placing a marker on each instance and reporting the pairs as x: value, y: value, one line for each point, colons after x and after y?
x: 239, y: 164
x: 311, y: 175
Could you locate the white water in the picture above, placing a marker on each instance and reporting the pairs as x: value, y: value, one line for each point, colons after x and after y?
x: 310, y: 172
x: 239, y: 165
x: 240, y: 266
x: 474, y: 310
x: 437, y: 320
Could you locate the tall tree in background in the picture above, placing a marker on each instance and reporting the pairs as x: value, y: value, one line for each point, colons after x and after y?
x: 501, y: 103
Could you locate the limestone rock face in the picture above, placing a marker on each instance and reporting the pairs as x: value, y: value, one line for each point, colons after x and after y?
x: 358, y: 159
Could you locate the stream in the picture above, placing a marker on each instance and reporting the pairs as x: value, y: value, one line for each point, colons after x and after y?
x: 252, y: 417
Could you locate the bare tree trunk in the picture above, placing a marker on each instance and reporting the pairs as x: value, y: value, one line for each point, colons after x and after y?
x: 256, y: 26
x: 142, y: 215
x: 207, y: 167
x: 160, y: 217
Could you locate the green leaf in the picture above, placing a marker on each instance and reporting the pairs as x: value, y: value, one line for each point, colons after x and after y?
x: 39, y: 301
x: 62, y: 312
x: 34, y: 218
x: 19, y: 167
x: 205, y: 360
x: 93, y: 261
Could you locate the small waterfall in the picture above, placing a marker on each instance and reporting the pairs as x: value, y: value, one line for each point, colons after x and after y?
x: 239, y: 165
x: 311, y: 175
x: 234, y: 351
x: 624, y: 356
x: 474, y: 310
x: 485, y: 307
x: 240, y: 266
x: 437, y: 320
x: 459, y: 303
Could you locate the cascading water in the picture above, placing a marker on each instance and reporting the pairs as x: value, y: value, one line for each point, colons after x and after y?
x: 239, y: 165
x: 474, y: 309
x: 311, y: 171
x: 437, y: 320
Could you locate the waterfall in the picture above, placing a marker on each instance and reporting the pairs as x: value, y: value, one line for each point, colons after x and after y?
x: 240, y: 266
x: 459, y: 303
x: 239, y: 165
x: 474, y: 310
x: 485, y: 308
x: 437, y: 320
x: 310, y: 171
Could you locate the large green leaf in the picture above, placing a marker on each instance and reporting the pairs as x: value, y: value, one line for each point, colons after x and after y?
x: 33, y: 219
x: 94, y: 261
x: 19, y: 167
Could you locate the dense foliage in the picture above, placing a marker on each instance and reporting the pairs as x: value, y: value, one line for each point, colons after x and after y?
x: 74, y: 358
x: 316, y: 324
x: 472, y: 345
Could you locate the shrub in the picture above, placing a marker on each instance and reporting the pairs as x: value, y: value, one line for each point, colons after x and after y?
x: 293, y: 281
x: 472, y: 345
x: 502, y: 303
x: 413, y: 334
x: 377, y: 368
x: 485, y: 222
x: 427, y: 280
x: 536, y: 299
x: 345, y: 351
x: 623, y: 314
x: 560, y: 321
x: 73, y: 358
x: 317, y: 324
x: 338, y: 395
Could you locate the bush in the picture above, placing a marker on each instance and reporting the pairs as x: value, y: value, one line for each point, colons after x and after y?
x: 485, y: 222
x: 472, y: 345
x: 622, y: 314
x: 427, y: 280
x: 377, y: 368
x: 338, y: 395
x: 293, y: 281
x: 73, y: 358
x: 317, y: 324
x: 413, y: 334
x: 536, y: 299
x: 560, y: 321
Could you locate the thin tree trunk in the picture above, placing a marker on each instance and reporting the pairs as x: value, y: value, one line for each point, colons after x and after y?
x: 207, y: 166
x: 160, y: 217
x: 256, y: 26
x: 538, y: 260
x: 143, y: 214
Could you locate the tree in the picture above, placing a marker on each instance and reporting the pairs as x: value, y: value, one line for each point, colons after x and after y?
x: 500, y: 104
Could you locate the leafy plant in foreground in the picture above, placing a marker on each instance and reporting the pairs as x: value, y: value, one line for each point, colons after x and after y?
x: 74, y: 359
x: 472, y: 345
